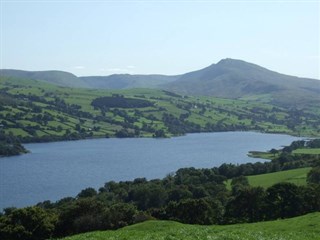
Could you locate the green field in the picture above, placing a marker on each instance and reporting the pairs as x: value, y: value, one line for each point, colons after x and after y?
x: 32, y: 110
x: 306, y: 227
x: 310, y: 151
x: 296, y: 176
x: 263, y: 155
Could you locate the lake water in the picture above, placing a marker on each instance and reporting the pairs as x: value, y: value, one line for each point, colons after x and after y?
x: 60, y: 169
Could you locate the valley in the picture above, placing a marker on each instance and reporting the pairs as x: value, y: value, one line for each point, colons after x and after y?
x: 34, y: 111
x: 231, y: 96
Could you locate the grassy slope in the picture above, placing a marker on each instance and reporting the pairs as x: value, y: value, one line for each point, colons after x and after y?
x: 250, y: 115
x: 268, y: 155
x: 306, y: 227
x: 296, y: 176
x: 307, y: 151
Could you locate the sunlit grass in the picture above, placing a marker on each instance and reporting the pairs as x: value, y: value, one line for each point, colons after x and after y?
x: 300, y: 228
x: 296, y: 176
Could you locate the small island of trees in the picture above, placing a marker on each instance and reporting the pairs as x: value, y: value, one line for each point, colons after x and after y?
x: 10, y: 145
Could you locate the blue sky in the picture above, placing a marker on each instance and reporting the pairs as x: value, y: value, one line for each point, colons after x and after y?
x: 167, y: 37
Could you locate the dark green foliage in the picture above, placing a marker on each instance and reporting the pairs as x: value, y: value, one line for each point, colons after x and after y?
x: 118, y: 101
x: 124, y: 133
x: 121, y: 214
x: 147, y: 196
x: 310, y: 198
x: 314, y: 175
x: 239, y: 183
x: 293, y: 146
x: 81, y: 216
x: 88, y: 192
x: 247, y: 204
x: 159, y: 134
x: 32, y: 223
x: 192, y: 211
x: 179, y: 125
x: 283, y: 201
x: 314, y: 143
x: 10, y: 145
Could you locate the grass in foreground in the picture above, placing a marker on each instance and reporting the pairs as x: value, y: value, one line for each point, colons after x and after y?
x: 300, y: 228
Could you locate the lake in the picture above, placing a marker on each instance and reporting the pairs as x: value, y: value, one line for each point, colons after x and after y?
x: 60, y: 169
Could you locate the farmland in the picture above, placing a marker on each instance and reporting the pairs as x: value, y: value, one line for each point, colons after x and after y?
x: 37, y: 111
x: 296, y: 176
x: 309, y: 151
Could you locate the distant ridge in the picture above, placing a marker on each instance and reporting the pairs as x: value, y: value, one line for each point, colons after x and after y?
x: 55, y: 77
x: 126, y: 81
x: 115, y: 81
x: 229, y: 78
x: 232, y: 78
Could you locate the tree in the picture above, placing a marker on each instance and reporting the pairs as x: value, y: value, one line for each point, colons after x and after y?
x: 246, y: 205
x: 314, y: 175
x: 121, y: 214
x: 310, y: 198
x: 274, y: 152
x: 31, y: 223
x: 283, y: 200
x: 238, y: 183
x: 192, y: 211
x: 88, y: 192
x: 80, y: 216
x: 159, y: 134
x: 148, y: 195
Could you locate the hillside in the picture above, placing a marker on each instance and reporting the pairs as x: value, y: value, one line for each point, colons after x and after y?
x: 296, y: 176
x: 127, y: 81
x: 59, y: 78
x: 37, y: 111
x: 115, y: 81
x: 232, y: 78
x: 229, y: 78
x: 306, y: 227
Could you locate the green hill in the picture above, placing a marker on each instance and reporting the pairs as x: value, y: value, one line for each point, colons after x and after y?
x: 38, y: 111
x: 127, y: 81
x: 115, y: 81
x: 229, y: 78
x: 297, y: 176
x: 306, y: 227
x: 59, y: 78
x: 232, y: 78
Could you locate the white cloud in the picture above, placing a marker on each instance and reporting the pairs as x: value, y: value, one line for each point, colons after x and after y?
x: 131, y: 67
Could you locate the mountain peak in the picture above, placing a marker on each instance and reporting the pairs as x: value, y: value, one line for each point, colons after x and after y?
x: 224, y: 60
x: 233, y: 78
x: 231, y: 61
